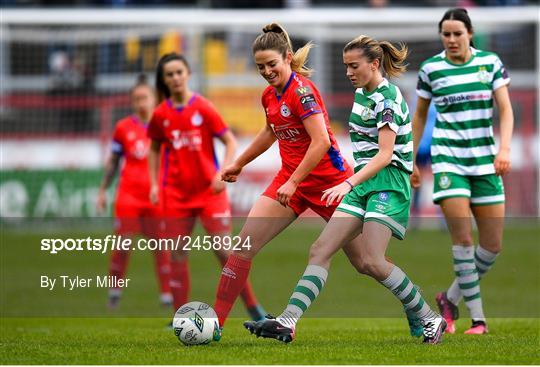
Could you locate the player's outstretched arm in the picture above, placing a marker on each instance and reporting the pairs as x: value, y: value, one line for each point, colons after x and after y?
x: 229, y: 141
x: 262, y: 142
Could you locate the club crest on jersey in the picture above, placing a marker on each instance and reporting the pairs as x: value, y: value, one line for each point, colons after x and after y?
x: 366, y: 114
x: 444, y: 182
x: 166, y: 123
x: 196, y: 119
x: 284, y: 110
x: 483, y: 75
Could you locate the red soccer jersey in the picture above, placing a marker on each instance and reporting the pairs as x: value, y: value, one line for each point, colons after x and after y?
x: 130, y: 141
x: 284, y: 114
x: 190, y: 162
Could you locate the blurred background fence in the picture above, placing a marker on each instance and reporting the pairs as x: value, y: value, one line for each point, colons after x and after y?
x: 65, y: 76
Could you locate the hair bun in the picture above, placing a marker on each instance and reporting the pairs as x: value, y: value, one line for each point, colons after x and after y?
x: 273, y: 27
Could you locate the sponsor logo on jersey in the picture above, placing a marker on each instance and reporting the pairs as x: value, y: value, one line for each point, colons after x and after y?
x: 444, y: 181
x: 460, y: 98
x: 383, y: 196
x: 190, y: 139
x: 388, y: 111
x: 196, y: 119
x: 388, y: 103
x: 302, y: 90
x: 504, y: 72
x: 284, y: 110
x: 308, y: 102
x: 285, y: 132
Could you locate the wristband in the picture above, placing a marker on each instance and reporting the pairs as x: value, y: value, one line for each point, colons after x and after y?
x: 350, y: 184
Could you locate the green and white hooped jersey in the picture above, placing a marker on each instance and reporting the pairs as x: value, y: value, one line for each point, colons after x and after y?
x: 370, y: 112
x: 463, y: 96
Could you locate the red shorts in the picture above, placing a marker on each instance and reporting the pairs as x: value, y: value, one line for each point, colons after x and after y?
x: 215, y: 216
x: 135, y: 216
x: 303, y: 199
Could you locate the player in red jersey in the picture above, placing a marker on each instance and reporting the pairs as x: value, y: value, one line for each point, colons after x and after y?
x: 185, y: 123
x: 134, y: 214
x: 311, y: 160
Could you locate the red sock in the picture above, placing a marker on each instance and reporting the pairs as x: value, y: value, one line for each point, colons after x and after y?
x: 163, y: 270
x: 231, y: 283
x: 118, y: 264
x: 179, y: 282
x: 247, y: 294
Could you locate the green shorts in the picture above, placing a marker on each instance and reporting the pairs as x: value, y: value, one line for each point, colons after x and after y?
x: 481, y: 190
x: 384, y: 198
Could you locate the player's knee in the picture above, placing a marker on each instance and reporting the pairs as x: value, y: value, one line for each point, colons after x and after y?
x: 371, y: 266
x: 317, y: 253
x: 358, y: 264
x: 463, y: 239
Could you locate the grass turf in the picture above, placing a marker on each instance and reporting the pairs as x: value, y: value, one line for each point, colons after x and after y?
x: 320, y: 341
x: 354, y: 321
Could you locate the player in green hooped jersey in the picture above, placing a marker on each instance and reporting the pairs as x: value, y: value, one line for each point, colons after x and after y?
x: 374, y: 201
x: 463, y: 82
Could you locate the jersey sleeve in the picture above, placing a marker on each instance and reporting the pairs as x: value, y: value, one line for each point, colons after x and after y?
x: 155, y: 127
x: 389, y: 113
x: 305, y: 102
x: 117, y: 145
x: 423, y: 86
x: 216, y: 122
x: 500, y: 75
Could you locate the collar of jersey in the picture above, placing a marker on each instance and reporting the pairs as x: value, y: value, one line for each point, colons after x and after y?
x: 138, y: 121
x: 181, y: 108
x: 286, y: 86
x: 384, y: 83
x: 473, y: 54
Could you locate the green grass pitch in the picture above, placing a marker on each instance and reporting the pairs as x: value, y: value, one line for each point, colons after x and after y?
x: 354, y: 321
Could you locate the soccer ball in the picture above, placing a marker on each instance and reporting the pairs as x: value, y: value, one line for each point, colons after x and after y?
x: 195, y: 323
